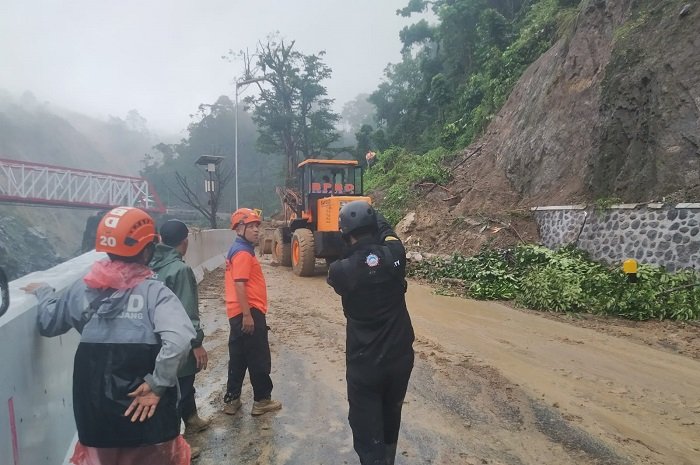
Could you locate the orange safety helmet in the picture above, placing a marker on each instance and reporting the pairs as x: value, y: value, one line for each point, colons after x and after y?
x: 245, y: 216
x: 125, y: 231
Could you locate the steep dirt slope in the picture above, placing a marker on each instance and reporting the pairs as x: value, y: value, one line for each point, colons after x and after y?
x: 612, y: 110
x: 37, y: 238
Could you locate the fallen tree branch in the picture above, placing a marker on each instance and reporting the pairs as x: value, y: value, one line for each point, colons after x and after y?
x: 434, y: 185
x: 503, y: 223
x: 474, y: 152
x: 673, y: 289
x: 516, y: 233
x: 455, y: 281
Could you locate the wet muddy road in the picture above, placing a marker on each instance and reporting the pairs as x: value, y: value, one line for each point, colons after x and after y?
x: 491, y: 385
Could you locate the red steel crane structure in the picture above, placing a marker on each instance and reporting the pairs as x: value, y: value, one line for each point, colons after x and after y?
x: 35, y: 183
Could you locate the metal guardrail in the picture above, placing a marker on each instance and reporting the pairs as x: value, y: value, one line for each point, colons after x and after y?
x: 35, y: 183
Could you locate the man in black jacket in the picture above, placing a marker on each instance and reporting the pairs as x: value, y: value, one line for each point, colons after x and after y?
x: 370, y: 278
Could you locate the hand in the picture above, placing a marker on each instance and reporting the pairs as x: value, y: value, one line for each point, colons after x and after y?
x: 144, y: 404
x: 200, y: 355
x: 32, y: 287
x: 248, y: 325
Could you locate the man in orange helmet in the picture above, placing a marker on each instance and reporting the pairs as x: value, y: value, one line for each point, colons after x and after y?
x: 246, y: 307
x: 135, y: 334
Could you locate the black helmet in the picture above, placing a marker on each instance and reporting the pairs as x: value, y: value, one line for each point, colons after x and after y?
x: 173, y: 232
x: 355, y: 215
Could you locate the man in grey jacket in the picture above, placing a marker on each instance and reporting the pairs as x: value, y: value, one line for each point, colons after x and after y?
x: 135, y: 335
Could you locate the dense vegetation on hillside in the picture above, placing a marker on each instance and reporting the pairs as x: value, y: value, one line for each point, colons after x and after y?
x: 456, y: 74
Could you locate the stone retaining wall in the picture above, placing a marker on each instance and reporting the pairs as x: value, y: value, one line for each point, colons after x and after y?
x: 665, y: 235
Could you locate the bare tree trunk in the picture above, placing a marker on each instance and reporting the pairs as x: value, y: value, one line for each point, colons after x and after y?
x: 189, y: 197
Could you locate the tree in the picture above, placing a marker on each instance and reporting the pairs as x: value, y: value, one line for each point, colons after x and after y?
x: 364, y: 141
x: 135, y: 122
x: 418, y: 33
x: 291, y: 108
x: 401, y: 102
x: 456, y: 73
x: 188, y: 194
x: 357, y: 112
x: 379, y: 140
x: 178, y: 161
x: 172, y: 170
x: 440, y: 94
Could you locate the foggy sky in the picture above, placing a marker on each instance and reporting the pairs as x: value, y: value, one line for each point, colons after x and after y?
x: 163, y: 58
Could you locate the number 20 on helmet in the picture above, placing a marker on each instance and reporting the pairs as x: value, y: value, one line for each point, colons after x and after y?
x: 125, y: 231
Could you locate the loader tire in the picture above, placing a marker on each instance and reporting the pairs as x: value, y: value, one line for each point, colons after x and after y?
x: 281, y: 252
x: 303, y: 252
x: 265, y: 243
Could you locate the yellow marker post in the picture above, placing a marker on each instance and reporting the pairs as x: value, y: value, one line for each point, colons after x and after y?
x: 630, y: 267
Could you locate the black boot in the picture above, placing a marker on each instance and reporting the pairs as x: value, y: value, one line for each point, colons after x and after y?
x: 390, y: 453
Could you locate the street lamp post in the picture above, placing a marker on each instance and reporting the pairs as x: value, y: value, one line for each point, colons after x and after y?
x: 240, y: 83
x: 210, y: 162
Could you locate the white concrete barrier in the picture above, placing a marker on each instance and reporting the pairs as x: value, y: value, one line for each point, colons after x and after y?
x: 36, y: 400
x: 207, y: 250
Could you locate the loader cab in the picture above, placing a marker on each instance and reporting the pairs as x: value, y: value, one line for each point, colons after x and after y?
x: 327, y: 178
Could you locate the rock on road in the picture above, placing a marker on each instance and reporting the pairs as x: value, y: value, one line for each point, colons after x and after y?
x: 491, y: 385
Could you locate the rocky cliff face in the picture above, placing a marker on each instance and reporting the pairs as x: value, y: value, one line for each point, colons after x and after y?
x: 648, y: 146
x: 612, y: 110
x: 24, y: 249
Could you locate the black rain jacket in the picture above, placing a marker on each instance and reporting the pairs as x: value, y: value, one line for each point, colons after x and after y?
x: 370, y: 279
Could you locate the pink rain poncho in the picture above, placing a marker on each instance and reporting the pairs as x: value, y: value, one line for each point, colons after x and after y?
x: 117, y: 275
x: 174, y: 452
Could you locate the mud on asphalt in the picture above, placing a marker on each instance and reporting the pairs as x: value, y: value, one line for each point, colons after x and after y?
x: 458, y: 410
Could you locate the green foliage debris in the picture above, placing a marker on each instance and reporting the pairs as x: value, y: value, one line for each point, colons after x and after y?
x: 566, y: 281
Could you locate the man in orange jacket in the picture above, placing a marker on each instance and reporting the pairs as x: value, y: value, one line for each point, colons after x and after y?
x: 246, y: 307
